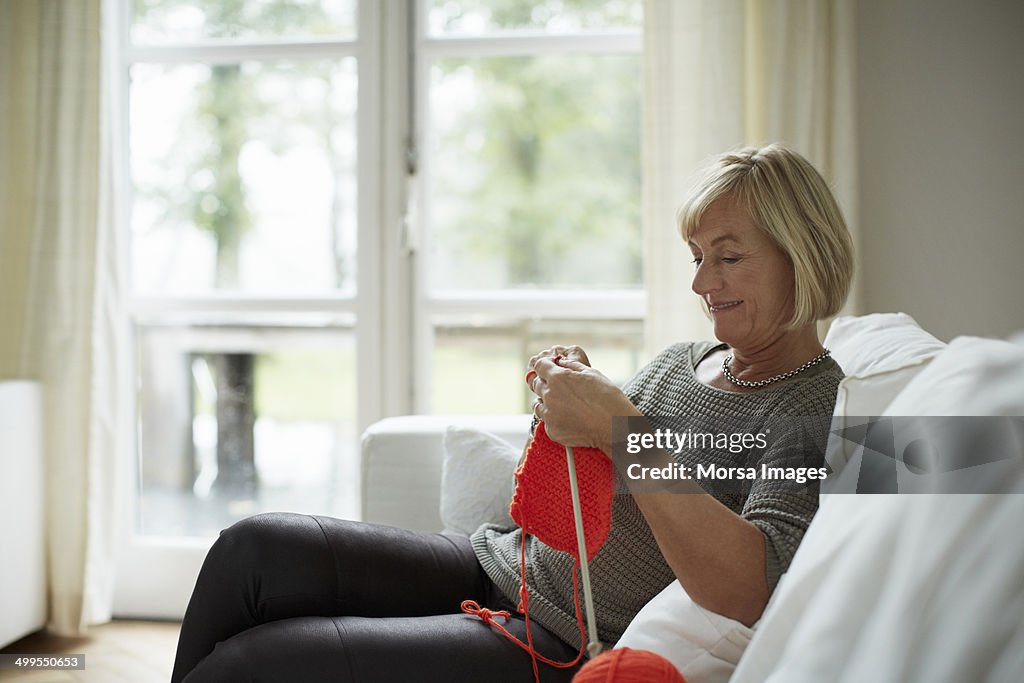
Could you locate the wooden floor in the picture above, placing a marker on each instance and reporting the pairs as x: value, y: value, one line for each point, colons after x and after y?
x: 118, y: 652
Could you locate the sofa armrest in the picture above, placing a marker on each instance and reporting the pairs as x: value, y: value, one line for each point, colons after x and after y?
x: 401, y: 465
x: 22, y: 493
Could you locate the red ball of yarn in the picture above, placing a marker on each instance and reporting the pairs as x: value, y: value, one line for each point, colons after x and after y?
x: 625, y: 665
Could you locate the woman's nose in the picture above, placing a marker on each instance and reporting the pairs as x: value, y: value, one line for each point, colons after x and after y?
x: 705, y: 280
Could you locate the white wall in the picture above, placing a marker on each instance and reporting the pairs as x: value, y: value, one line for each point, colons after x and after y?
x: 941, y: 142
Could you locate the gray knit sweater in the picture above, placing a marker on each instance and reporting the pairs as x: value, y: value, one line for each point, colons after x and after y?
x: 629, y: 569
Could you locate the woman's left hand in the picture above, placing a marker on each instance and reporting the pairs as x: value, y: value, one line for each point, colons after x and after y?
x: 577, y: 403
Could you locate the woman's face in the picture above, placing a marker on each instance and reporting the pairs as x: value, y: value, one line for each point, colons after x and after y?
x: 745, y: 280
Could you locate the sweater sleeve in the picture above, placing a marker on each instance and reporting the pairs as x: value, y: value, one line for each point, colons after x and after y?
x: 783, y: 520
x: 783, y: 508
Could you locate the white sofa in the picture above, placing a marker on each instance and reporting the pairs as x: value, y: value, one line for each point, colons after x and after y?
x: 884, y: 588
x: 402, y: 459
x: 22, y: 537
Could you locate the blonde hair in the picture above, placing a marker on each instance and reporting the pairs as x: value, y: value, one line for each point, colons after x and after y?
x: 788, y: 199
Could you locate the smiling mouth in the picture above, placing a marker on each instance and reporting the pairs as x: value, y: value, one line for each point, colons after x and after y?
x: 722, y: 307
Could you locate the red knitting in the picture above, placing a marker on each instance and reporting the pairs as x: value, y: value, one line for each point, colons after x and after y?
x: 542, y: 506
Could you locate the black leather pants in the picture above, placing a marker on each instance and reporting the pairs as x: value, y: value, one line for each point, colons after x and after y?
x: 288, y: 597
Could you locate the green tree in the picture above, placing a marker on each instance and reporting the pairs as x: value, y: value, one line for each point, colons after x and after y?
x: 226, y: 105
x: 557, y: 177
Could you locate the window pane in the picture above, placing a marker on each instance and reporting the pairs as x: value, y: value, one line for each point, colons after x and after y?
x: 479, y: 365
x: 183, y: 21
x: 235, y: 421
x: 244, y: 176
x: 535, y: 172
x: 474, y: 17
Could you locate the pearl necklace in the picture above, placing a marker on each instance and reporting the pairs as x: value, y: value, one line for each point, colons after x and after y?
x: 765, y: 382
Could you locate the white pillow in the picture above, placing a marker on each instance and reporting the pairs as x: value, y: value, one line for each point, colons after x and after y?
x: 477, y: 480
x: 879, y: 353
x: 974, y: 376
x: 909, y: 587
x: 703, y: 645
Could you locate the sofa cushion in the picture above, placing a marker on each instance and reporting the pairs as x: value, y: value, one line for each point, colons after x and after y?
x: 880, y: 353
x: 477, y: 480
x: 402, y: 458
x: 883, y: 587
x: 974, y: 376
x: 703, y: 645
x: 912, y: 588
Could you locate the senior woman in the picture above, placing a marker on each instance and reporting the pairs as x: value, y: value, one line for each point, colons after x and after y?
x: 296, y: 597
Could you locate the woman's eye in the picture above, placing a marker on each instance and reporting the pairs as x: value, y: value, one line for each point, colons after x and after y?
x: 696, y: 260
x: 730, y: 259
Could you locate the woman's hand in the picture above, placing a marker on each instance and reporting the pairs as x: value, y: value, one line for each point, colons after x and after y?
x: 573, y: 352
x: 576, y: 402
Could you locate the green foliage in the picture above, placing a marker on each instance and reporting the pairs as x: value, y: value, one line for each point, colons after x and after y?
x: 305, y: 385
x: 225, y: 106
x: 557, y: 176
x: 229, y: 107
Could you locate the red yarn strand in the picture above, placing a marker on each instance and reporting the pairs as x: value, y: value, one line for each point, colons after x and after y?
x: 539, y: 508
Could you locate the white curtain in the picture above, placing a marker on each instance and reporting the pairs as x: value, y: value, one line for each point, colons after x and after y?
x: 721, y: 74
x: 62, y: 304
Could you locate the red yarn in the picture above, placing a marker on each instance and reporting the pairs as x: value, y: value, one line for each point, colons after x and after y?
x: 625, y: 665
x: 542, y: 506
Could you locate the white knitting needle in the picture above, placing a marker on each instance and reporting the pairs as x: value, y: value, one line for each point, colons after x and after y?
x: 593, y: 644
